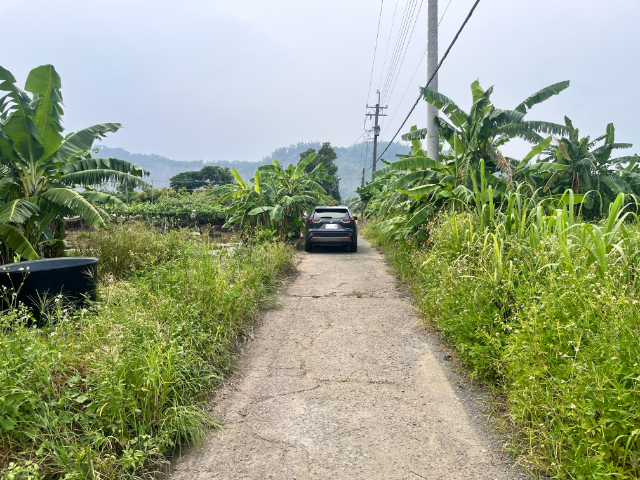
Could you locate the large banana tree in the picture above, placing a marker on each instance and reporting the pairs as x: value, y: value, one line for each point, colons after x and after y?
x: 41, y: 172
x: 585, y: 167
x: 479, y: 134
x: 277, y: 197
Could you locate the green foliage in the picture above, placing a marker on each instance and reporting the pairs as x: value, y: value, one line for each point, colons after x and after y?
x: 326, y: 156
x: 106, y: 393
x: 40, y: 171
x: 137, y: 248
x: 545, y: 307
x: 209, y: 176
x: 277, y: 199
x: 171, y: 207
x: 580, y: 165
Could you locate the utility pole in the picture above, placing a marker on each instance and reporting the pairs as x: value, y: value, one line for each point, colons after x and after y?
x: 362, y: 184
x: 376, y: 130
x: 433, y: 133
x: 151, y: 192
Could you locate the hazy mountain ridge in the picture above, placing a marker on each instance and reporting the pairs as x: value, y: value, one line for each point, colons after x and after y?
x: 350, y: 162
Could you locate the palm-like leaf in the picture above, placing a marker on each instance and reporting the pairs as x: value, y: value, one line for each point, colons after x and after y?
x: 68, y: 198
x: 446, y: 105
x: 96, y: 177
x: 45, y: 83
x: 13, y: 239
x: 101, y: 197
x: 113, y: 164
x: 542, y: 95
x: 17, y: 115
x: 302, y: 165
x: 17, y: 211
x: 82, y: 140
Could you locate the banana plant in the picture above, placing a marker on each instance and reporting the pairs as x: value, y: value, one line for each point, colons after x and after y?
x: 277, y: 198
x: 585, y: 167
x: 41, y: 171
x: 480, y: 133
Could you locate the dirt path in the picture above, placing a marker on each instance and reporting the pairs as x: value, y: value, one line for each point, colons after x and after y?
x: 344, y: 383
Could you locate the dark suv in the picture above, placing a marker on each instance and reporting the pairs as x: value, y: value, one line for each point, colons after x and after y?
x: 331, y: 226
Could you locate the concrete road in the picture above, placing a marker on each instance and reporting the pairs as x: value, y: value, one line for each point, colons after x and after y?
x: 343, y: 382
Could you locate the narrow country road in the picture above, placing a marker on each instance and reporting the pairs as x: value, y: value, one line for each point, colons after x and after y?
x: 344, y: 383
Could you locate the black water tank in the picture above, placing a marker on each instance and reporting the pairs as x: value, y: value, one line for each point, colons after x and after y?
x: 73, y: 277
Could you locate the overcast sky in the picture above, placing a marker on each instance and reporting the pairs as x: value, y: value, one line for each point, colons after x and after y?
x: 236, y: 79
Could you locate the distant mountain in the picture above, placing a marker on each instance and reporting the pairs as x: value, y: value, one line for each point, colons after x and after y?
x: 350, y: 162
x: 161, y: 169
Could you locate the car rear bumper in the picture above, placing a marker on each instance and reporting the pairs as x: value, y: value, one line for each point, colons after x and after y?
x: 319, y: 240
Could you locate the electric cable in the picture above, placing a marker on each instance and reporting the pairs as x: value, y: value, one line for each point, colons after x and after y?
x: 393, y: 86
x: 375, y: 50
x: 414, y: 73
x: 404, y: 28
x: 393, y: 20
x: 433, y: 75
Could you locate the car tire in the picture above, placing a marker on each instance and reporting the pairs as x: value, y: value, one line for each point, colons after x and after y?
x: 307, y: 246
x: 354, y: 246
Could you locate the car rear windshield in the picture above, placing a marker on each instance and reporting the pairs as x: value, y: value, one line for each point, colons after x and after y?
x: 331, y: 214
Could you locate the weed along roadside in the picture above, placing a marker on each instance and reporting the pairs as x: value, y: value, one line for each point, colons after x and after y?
x: 109, y: 391
x: 558, y: 344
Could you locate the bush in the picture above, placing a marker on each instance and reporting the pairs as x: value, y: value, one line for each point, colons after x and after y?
x: 110, y: 391
x: 126, y: 248
x: 560, y: 344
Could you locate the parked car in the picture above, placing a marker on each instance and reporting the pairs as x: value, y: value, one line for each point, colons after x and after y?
x: 331, y: 226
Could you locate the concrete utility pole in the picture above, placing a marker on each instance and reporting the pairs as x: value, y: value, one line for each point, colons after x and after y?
x: 433, y: 133
x: 376, y: 130
x: 362, y: 185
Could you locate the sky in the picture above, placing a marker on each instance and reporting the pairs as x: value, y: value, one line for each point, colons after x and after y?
x: 208, y: 79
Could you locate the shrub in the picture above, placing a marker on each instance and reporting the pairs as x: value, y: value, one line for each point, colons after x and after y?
x: 109, y: 392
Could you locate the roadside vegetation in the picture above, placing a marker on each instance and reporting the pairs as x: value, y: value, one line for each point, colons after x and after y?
x: 41, y: 171
x: 276, y: 198
x: 529, y: 268
x: 109, y: 391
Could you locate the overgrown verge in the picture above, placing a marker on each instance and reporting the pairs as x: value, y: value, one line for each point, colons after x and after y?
x: 552, y: 328
x: 106, y: 393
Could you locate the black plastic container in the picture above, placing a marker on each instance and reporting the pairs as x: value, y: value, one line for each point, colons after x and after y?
x: 38, y: 282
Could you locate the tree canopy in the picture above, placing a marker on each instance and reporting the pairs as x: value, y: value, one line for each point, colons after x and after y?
x: 326, y: 156
x: 209, y: 175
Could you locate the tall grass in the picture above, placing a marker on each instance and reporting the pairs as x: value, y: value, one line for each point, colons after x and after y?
x: 545, y: 308
x: 107, y: 393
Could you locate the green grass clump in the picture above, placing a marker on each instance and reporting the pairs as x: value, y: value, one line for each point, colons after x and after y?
x: 554, y: 331
x: 126, y: 248
x: 107, y: 393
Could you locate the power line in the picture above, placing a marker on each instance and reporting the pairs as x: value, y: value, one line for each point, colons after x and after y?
x: 397, y: 50
x: 375, y: 49
x: 434, y: 74
x: 414, y: 73
x: 389, y: 93
x: 388, y: 42
x: 399, y: 38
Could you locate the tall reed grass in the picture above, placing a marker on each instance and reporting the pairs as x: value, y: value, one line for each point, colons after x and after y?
x: 545, y: 308
x: 109, y: 392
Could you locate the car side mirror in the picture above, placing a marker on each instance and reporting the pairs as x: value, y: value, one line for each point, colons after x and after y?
x: 355, y: 218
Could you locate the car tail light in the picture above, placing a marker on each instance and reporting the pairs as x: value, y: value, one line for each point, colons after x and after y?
x: 348, y: 220
x: 313, y: 220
